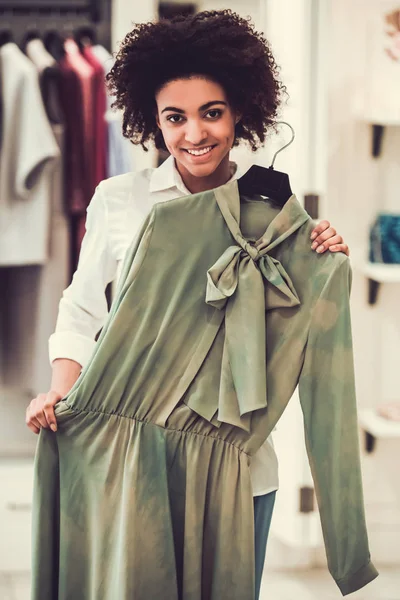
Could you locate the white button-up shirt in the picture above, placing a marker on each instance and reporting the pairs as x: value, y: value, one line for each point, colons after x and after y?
x: 114, y: 217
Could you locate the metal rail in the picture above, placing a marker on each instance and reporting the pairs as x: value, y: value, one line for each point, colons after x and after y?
x: 91, y: 8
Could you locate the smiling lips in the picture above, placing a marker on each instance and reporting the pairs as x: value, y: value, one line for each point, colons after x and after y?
x: 200, y: 151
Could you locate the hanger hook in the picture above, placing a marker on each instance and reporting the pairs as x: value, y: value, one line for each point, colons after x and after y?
x: 286, y: 145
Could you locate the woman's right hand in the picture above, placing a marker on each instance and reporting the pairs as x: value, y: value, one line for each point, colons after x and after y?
x: 40, y: 412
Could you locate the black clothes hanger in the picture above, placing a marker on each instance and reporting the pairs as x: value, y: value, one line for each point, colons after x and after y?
x: 261, y: 181
x: 6, y: 36
x: 85, y: 36
x: 54, y: 43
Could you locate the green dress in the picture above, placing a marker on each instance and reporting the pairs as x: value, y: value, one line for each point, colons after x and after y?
x: 144, y: 492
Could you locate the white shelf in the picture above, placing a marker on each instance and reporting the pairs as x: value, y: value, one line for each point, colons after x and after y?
x: 380, y: 120
x: 378, y: 426
x: 381, y: 272
x: 370, y: 116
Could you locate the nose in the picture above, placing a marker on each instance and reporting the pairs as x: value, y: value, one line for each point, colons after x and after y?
x: 195, y: 132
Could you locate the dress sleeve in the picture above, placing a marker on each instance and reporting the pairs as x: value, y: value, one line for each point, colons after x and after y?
x: 83, y: 307
x: 328, y: 401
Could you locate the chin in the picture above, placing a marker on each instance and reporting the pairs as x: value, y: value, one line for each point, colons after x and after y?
x: 202, y: 170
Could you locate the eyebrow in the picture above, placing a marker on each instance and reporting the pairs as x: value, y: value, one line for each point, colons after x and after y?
x: 203, y: 107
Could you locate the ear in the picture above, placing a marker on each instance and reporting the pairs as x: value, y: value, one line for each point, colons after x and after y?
x: 157, y: 119
x: 238, y: 118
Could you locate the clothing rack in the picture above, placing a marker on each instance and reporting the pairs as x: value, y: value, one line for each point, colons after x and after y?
x: 62, y: 15
x: 89, y: 8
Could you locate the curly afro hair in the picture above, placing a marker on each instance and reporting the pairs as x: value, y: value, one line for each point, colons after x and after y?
x: 218, y: 45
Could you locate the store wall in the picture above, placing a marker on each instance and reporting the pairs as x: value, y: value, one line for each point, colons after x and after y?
x: 358, y: 186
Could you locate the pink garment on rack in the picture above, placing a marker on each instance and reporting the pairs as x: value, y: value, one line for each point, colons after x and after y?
x: 86, y: 76
x: 77, y: 99
x: 73, y: 96
x: 99, y: 151
x: 71, y: 101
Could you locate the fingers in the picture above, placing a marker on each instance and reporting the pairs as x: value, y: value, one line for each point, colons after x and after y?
x: 330, y: 241
x: 40, y: 412
x: 326, y: 238
x: 31, y: 422
x: 37, y: 410
x: 48, y: 409
x: 340, y: 248
x: 320, y: 243
x: 320, y: 228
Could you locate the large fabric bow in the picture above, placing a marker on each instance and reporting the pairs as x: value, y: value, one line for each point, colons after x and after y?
x: 246, y: 283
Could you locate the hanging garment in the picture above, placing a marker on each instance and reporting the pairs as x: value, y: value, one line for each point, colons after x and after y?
x: 114, y: 218
x: 43, y: 289
x: 86, y: 75
x: 95, y: 140
x: 49, y: 78
x: 99, y: 136
x: 71, y: 94
x: 77, y: 93
x: 27, y: 156
x: 145, y: 490
x: 119, y: 155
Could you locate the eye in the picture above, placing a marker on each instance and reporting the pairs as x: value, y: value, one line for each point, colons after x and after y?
x: 214, y: 113
x: 171, y: 117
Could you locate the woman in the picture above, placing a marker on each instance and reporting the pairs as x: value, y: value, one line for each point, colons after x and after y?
x: 196, y: 87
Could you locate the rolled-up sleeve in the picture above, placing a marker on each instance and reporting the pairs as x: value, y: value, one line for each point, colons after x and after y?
x: 83, y: 307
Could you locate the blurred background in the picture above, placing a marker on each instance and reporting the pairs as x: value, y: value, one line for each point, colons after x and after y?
x: 340, y: 61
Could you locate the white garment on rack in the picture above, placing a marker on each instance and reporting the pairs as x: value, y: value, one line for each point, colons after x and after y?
x: 28, y: 148
x: 36, y: 51
x: 104, y: 57
x: 114, y: 217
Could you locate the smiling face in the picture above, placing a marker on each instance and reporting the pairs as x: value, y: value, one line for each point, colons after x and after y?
x: 198, y: 126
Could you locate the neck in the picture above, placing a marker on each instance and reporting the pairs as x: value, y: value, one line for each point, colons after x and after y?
x: 218, y: 177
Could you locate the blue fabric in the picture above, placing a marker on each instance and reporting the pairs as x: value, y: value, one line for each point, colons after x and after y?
x: 119, y: 160
x: 385, y: 239
x: 263, y: 509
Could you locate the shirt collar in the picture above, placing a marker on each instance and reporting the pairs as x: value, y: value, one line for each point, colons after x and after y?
x: 167, y: 176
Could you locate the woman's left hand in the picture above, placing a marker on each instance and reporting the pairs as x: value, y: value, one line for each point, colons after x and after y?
x: 325, y: 237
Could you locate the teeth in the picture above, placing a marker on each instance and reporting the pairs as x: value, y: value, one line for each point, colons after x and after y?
x: 199, y: 152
